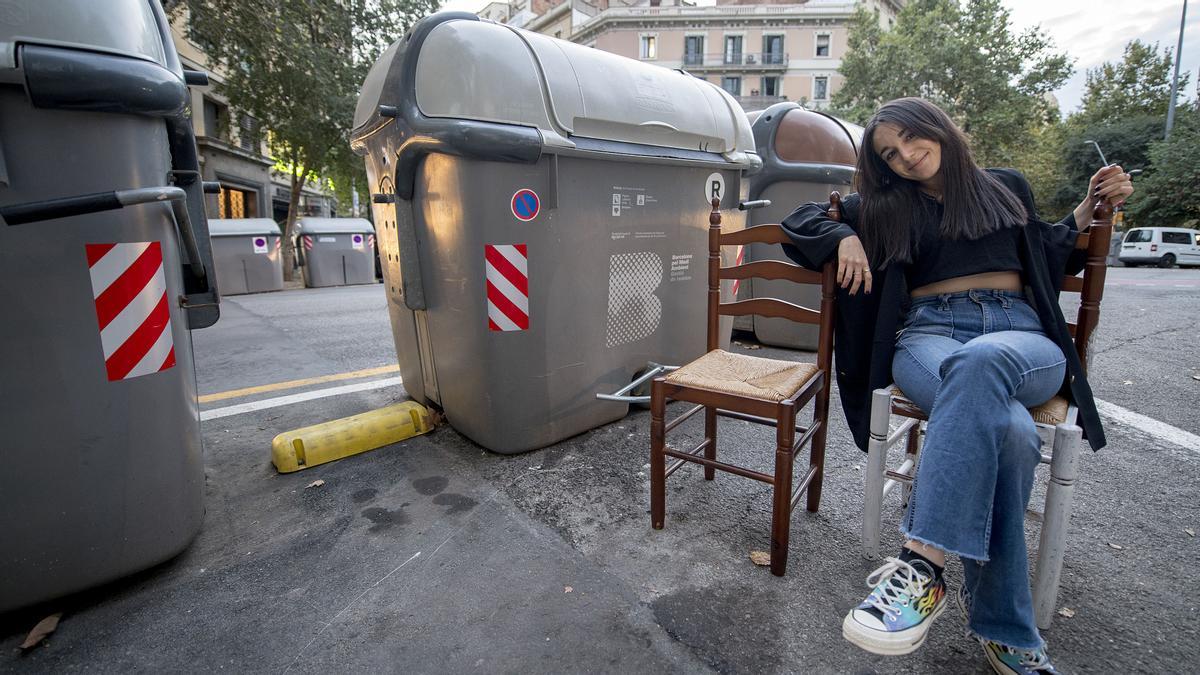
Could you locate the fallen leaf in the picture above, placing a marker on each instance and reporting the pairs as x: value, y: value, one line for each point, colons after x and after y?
x: 753, y: 346
x: 1196, y: 377
x: 1116, y: 547
x: 316, y: 483
x: 1067, y: 612
x: 1127, y: 382
x: 43, y: 629
x: 760, y: 558
x: 1190, y: 531
x: 567, y: 589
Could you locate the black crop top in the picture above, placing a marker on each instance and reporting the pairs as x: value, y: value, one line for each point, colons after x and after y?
x: 937, y: 259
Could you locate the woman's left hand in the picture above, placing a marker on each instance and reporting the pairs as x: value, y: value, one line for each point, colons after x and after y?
x: 1110, y: 183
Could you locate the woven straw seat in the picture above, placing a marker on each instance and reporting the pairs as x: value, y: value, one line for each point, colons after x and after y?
x: 1052, y: 412
x: 765, y: 379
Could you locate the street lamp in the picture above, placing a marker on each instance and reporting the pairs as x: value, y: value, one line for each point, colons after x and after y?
x: 1175, y: 79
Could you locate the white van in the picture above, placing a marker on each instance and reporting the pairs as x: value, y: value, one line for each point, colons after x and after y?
x: 1162, y: 246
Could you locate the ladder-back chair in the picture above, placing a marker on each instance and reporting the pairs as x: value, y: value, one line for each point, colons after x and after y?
x: 1062, y: 439
x: 753, y: 389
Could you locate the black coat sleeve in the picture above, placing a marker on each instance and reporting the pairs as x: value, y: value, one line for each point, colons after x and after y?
x: 815, y: 237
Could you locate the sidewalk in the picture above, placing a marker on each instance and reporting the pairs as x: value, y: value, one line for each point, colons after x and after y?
x: 435, y: 556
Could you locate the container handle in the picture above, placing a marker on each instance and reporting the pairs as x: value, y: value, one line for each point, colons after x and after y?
x: 622, y: 395
x: 756, y: 204
x: 32, y: 212
x: 659, y: 125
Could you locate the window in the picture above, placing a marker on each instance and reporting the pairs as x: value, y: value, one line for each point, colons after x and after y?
x: 235, y: 202
x: 823, y: 44
x: 1139, y: 236
x: 216, y: 119
x: 693, y: 50
x: 820, y: 88
x: 1177, y: 238
x: 249, y: 134
x: 649, y: 47
x: 770, y: 86
x: 733, y: 49
x: 733, y: 85
x: 772, y: 49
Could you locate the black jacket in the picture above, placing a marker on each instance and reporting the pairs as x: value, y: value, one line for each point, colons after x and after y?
x: 865, y: 331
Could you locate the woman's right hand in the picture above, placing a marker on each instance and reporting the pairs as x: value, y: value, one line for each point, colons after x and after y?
x: 853, y: 270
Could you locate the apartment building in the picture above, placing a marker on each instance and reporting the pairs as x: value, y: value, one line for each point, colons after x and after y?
x: 760, y: 51
x: 233, y: 149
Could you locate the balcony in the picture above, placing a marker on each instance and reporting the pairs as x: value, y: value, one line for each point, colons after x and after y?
x: 758, y: 102
x: 740, y: 61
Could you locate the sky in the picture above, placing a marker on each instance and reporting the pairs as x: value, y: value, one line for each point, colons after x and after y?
x: 1089, y: 31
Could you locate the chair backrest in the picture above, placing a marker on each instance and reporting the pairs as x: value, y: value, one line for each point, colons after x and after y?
x: 766, y: 269
x: 1090, y: 286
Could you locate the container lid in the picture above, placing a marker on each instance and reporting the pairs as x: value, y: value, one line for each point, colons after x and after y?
x: 807, y: 136
x: 232, y: 227
x: 333, y: 225
x: 126, y: 27
x: 476, y: 70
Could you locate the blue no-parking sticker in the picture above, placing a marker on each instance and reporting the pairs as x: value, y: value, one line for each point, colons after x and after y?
x: 525, y: 204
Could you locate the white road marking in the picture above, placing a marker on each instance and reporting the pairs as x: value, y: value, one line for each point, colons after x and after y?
x: 1160, y: 430
x: 266, y: 403
x: 1112, y: 411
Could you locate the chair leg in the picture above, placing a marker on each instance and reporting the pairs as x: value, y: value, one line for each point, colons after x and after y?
x: 710, y: 434
x: 816, y: 456
x: 881, y: 411
x: 658, y: 460
x: 912, y: 448
x: 781, y: 497
x: 1064, y: 469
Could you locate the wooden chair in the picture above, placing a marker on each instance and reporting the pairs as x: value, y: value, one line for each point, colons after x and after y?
x: 759, y: 390
x: 1055, y: 419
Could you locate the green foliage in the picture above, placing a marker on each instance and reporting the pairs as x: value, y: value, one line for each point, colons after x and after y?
x: 964, y: 58
x: 296, y: 66
x: 1126, y: 142
x: 1139, y: 84
x: 1124, y: 109
x: 1169, y: 194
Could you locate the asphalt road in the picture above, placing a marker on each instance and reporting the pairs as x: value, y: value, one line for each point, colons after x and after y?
x: 434, y: 555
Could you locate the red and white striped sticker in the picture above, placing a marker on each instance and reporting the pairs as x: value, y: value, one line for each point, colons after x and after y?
x: 741, y: 256
x: 129, y: 288
x: 507, y: 287
x: 278, y: 243
x: 371, y: 241
x: 308, y: 242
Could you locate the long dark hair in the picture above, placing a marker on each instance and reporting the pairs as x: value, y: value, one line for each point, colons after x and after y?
x: 976, y: 203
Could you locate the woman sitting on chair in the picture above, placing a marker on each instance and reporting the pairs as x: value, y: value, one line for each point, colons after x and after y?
x: 959, y: 307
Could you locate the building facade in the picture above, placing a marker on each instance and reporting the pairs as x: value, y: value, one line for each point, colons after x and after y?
x: 761, y: 52
x: 233, y: 149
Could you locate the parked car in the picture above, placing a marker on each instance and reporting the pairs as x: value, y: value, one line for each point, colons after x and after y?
x: 1162, y: 246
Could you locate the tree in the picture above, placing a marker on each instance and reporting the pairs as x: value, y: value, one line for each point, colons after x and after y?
x: 296, y: 66
x: 1139, y: 84
x: 1124, y: 109
x: 1168, y: 194
x: 1125, y: 142
x: 964, y: 58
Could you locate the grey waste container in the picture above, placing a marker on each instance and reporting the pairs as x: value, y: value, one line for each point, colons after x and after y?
x: 246, y: 254
x: 805, y: 155
x: 336, y: 251
x: 542, y: 214
x: 103, y: 269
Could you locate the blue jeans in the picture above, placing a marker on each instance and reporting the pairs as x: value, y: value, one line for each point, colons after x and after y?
x: 974, y: 361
